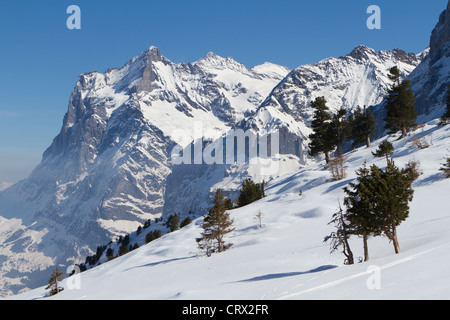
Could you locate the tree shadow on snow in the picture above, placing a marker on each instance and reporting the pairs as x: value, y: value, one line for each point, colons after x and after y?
x: 152, y: 264
x: 287, y: 274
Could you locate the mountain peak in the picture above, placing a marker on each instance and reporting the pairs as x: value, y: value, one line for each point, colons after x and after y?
x: 212, y: 55
x: 361, y: 51
x: 152, y: 53
x: 212, y: 60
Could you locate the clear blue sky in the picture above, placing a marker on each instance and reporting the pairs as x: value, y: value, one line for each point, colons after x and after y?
x: 40, y: 59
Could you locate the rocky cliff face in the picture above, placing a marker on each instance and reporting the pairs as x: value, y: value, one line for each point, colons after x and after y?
x: 440, y: 37
x: 432, y: 76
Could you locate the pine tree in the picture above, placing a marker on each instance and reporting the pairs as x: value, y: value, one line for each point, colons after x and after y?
x: 216, y: 225
x: 320, y: 142
x: 109, y: 254
x: 123, y: 250
x: 152, y: 235
x: 363, y: 126
x: 360, y: 215
x: 250, y: 192
x: 385, y: 149
x: 445, y: 119
x: 338, y: 130
x: 173, y: 222
x: 400, y: 105
x: 394, y: 75
x: 185, y: 222
x: 55, y: 278
x: 391, y: 193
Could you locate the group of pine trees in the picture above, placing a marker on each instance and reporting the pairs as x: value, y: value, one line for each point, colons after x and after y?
x: 376, y: 204
x: 330, y: 131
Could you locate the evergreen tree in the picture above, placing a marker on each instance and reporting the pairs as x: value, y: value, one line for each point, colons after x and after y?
x: 445, y: 119
x: 385, y: 149
x: 99, y: 252
x: 55, y: 278
x: 391, y: 193
x: 172, y: 222
x: 110, y: 254
x: 123, y: 250
x: 185, y: 222
x: 250, y: 192
x: 126, y: 240
x: 363, y: 126
x: 152, y: 235
x: 338, y: 130
x: 394, y: 75
x: 401, y: 112
x: 320, y: 142
x: 216, y: 225
x: 359, y: 203
x: 147, y: 223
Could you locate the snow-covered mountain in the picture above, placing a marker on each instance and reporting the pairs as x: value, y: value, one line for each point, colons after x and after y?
x: 355, y: 80
x: 105, y: 173
x: 110, y: 168
x: 285, y: 257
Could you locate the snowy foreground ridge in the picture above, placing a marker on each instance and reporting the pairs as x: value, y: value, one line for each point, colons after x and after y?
x: 286, y: 258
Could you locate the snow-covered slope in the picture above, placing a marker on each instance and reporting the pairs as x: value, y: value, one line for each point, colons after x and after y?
x: 286, y: 257
x: 110, y: 168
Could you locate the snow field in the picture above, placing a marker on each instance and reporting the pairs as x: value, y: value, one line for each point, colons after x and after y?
x: 286, y: 258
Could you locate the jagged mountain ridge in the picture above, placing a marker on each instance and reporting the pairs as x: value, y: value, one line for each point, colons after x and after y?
x: 108, y: 169
x: 105, y: 173
x: 357, y: 79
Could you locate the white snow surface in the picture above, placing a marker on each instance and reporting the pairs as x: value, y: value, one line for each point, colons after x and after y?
x: 286, y: 257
